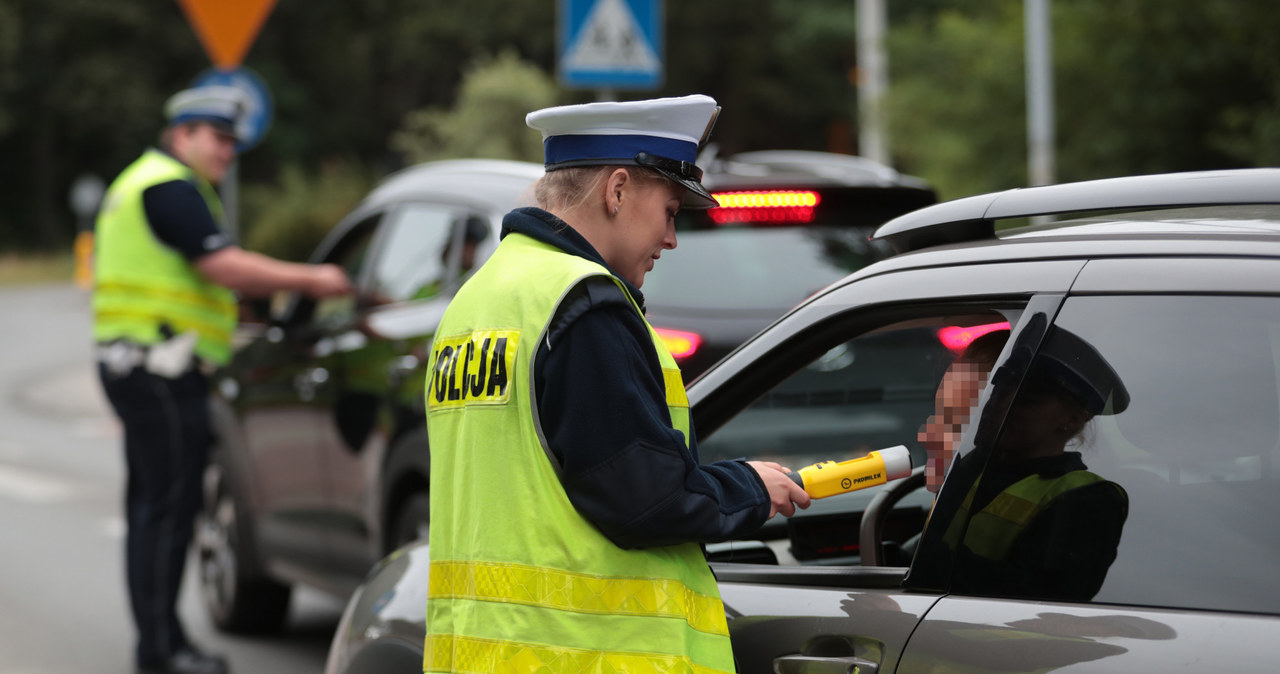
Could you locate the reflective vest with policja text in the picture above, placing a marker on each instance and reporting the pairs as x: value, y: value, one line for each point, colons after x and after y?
x: 519, y: 580
x: 140, y: 283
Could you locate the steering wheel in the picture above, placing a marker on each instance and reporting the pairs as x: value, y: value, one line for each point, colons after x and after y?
x: 871, y: 532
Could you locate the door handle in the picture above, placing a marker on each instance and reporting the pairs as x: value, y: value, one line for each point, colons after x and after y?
x: 813, y: 664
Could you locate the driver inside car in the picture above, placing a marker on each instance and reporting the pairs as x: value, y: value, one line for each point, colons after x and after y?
x: 1034, y: 522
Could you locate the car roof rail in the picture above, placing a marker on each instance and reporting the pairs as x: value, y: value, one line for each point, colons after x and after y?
x: 973, y: 218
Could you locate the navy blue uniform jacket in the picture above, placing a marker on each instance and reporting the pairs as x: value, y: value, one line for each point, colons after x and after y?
x: 602, y: 406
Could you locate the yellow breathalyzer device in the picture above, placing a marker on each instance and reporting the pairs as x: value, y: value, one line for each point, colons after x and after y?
x: 829, y: 478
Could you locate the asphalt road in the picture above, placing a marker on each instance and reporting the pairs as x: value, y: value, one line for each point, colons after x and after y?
x: 63, y: 606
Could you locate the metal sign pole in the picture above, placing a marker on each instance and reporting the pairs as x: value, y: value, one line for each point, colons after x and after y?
x: 230, y: 190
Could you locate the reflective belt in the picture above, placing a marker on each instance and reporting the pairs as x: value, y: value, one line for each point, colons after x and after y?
x: 211, y: 331
x: 580, y: 592
x: 186, y: 297
x: 449, y: 653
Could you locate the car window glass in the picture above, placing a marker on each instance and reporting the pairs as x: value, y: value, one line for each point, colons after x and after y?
x: 352, y: 255
x: 869, y: 391
x: 737, y: 269
x: 1166, y: 418
x: 425, y: 249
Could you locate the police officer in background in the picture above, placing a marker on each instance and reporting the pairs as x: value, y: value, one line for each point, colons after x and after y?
x: 164, y: 309
x: 567, y: 501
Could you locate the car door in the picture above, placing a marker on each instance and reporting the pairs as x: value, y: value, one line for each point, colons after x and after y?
x: 1191, y: 576
x: 280, y: 377
x: 855, y: 370
x: 423, y: 253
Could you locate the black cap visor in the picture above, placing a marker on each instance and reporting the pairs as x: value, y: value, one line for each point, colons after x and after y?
x: 685, y: 173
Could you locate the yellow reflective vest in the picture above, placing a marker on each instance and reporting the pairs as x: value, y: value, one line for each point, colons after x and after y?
x: 993, y: 530
x: 519, y: 580
x: 141, y: 283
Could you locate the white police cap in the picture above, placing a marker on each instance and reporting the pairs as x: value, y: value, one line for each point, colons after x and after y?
x: 221, y: 106
x: 662, y: 133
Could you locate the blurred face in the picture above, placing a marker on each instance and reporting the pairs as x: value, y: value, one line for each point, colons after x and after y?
x: 645, y: 226
x: 207, y: 150
x: 953, y: 404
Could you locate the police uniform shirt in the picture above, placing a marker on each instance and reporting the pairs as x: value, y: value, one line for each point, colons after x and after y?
x: 180, y: 218
x: 602, y: 405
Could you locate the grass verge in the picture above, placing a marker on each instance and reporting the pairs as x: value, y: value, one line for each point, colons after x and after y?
x: 27, y: 268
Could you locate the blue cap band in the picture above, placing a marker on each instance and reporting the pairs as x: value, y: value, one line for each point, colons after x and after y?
x: 570, y: 148
x: 200, y: 117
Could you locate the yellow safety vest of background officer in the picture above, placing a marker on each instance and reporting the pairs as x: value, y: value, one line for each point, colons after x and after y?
x: 567, y: 501
x: 163, y: 314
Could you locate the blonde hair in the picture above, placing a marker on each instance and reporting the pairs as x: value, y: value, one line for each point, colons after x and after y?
x: 568, y: 188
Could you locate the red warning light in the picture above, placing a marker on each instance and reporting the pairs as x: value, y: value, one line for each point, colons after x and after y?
x: 774, y: 207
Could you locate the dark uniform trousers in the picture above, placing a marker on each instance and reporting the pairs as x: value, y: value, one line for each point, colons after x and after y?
x: 166, y: 441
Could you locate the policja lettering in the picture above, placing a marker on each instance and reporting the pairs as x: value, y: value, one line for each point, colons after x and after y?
x: 472, y: 369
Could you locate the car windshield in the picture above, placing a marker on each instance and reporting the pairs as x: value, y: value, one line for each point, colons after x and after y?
x: 755, y: 269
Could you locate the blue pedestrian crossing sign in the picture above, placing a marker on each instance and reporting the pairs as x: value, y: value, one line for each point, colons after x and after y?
x: 611, y: 44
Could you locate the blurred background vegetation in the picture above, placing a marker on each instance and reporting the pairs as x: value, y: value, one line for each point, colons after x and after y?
x: 364, y: 88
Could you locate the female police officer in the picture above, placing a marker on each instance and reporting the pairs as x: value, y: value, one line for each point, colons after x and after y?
x: 567, y: 500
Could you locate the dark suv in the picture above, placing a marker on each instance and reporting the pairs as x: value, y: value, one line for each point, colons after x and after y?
x: 321, y: 464
x: 1153, y: 301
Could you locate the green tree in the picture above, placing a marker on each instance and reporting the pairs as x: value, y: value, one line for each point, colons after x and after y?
x: 10, y: 41
x: 487, y: 120
x: 956, y: 102
x: 1140, y: 87
x: 288, y: 218
x: 1150, y: 87
x: 781, y: 69
x: 84, y: 95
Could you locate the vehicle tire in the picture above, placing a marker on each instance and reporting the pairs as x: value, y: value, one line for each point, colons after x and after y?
x: 412, y: 522
x: 236, y: 602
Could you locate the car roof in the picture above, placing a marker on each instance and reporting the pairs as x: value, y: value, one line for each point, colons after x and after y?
x: 973, y: 219
x: 483, y: 179
x: 493, y: 186
x: 1232, y: 213
x: 774, y: 168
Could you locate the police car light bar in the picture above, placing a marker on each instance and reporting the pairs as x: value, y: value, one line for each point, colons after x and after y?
x: 771, y: 207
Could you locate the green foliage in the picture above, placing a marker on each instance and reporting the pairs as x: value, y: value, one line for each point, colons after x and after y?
x: 28, y: 268
x: 289, y: 220
x: 83, y: 94
x: 1140, y: 87
x: 781, y: 70
x: 487, y: 120
x: 10, y: 43
x: 955, y: 104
